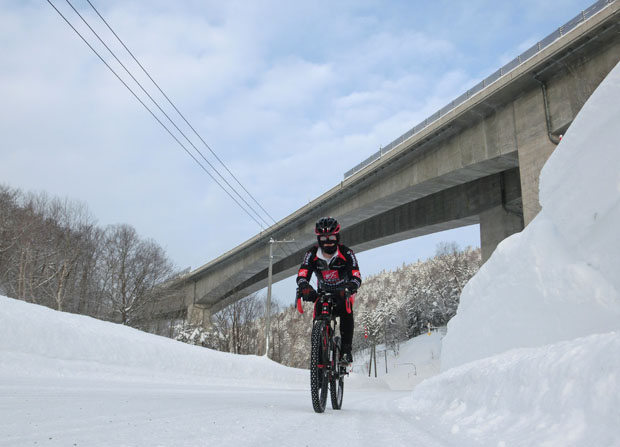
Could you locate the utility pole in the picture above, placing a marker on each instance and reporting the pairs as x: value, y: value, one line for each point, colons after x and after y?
x: 268, y: 310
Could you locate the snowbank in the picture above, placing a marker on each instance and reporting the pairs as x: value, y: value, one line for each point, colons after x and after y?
x: 557, y: 279
x: 39, y: 342
x: 533, y: 354
x: 566, y: 394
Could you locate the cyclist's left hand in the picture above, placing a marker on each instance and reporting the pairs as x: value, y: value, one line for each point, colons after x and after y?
x: 349, y: 289
x: 308, y: 294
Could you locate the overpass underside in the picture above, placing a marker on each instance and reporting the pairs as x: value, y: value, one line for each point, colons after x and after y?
x: 494, y: 202
x: 478, y: 164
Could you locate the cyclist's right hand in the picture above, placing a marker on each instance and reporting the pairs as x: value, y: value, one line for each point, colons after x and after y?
x: 346, y: 291
x: 307, y: 292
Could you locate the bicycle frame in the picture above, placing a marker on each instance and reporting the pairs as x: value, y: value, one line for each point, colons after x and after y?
x: 325, y: 304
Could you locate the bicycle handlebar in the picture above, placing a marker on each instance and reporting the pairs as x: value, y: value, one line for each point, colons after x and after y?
x: 348, y: 297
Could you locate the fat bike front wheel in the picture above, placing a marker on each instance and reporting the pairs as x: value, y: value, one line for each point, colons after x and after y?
x: 319, y: 359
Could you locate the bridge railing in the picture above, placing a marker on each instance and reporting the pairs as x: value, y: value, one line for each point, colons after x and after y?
x: 523, y: 57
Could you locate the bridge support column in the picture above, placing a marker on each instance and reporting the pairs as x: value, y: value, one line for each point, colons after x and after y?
x: 534, y: 148
x: 496, y: 224
x: 199, y: 315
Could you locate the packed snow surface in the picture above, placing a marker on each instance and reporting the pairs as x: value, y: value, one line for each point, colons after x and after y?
x: 531, y: 359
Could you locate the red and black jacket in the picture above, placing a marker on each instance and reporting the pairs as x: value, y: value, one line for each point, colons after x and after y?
x: 332, y: 276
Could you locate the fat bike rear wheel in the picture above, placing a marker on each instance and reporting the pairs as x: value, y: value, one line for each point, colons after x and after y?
x: 336, y: 380
x: 319, y: 359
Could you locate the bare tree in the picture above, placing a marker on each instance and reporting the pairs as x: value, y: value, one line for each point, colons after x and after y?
x: 32, y: 256
x: 131, y: 270
x: 9, y: 234
x: 277, y: 333
x: 240, y: 322
x: 89, y: 296
x: 67, y: 231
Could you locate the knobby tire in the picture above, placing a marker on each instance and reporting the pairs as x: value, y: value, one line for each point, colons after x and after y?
x: 318, y: 366
x: 336, y: 382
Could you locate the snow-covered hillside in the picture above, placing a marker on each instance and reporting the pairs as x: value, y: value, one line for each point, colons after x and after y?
x: 531, y: 359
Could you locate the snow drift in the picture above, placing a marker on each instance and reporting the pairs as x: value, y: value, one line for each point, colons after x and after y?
x: 37, y: 341
x: 533, y: 354
x: 557, y: 279
x: 565, y: 394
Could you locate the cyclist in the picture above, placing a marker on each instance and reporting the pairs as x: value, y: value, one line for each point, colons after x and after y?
x: 337, y: 272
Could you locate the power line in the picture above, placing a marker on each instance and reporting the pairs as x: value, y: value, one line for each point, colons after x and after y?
x: 166, y: 115
x: 182, y: 116
x: 152, y: 114
x: 184, y: 119
x: 178, y: 111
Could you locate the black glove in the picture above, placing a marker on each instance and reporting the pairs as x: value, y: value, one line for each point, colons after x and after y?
x: 351, y: 287
x: 348, y: 289
x: 307, y: 292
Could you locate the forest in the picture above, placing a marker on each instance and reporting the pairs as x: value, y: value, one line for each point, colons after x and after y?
x: 53, y: 253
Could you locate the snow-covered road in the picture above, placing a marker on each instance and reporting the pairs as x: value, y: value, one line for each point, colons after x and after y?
x: 69, y: 380
x: 85, y: 413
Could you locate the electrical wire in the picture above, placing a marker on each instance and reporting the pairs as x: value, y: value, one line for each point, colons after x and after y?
x: 169, y: 119
x: 178, y: 111
x: 153, y: 114
x: 180, y: 114
x: 183, y: 118
x: 166, y: 115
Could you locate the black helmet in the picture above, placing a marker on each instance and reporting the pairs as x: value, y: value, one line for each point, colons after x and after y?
x: 326, y: 226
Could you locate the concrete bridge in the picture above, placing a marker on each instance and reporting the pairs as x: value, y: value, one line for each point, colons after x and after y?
x: 478, y: 160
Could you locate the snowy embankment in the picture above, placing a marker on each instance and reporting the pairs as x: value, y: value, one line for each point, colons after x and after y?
x: 564, y: 394
x: 533, y: 354
x: 39, y: 342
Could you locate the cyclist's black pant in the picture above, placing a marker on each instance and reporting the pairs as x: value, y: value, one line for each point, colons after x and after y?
x: 346, y: 323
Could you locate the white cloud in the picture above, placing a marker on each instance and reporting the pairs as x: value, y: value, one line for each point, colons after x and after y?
x: 290, y: 95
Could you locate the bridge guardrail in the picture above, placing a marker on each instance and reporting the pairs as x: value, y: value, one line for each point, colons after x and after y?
x: 523, y: 57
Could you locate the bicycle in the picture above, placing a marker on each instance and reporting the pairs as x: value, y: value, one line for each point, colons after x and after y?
x: 326, y: 371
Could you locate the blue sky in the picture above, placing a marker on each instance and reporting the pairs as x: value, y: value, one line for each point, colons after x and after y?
x: 289, y: 94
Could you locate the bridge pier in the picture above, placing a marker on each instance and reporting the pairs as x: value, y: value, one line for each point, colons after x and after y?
x: 199, y: 315
x: 534, y: 148
x: 496, y: 224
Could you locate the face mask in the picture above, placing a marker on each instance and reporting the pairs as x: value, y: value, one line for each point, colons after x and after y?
x: 329, y: 250
x: 333, y: 239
